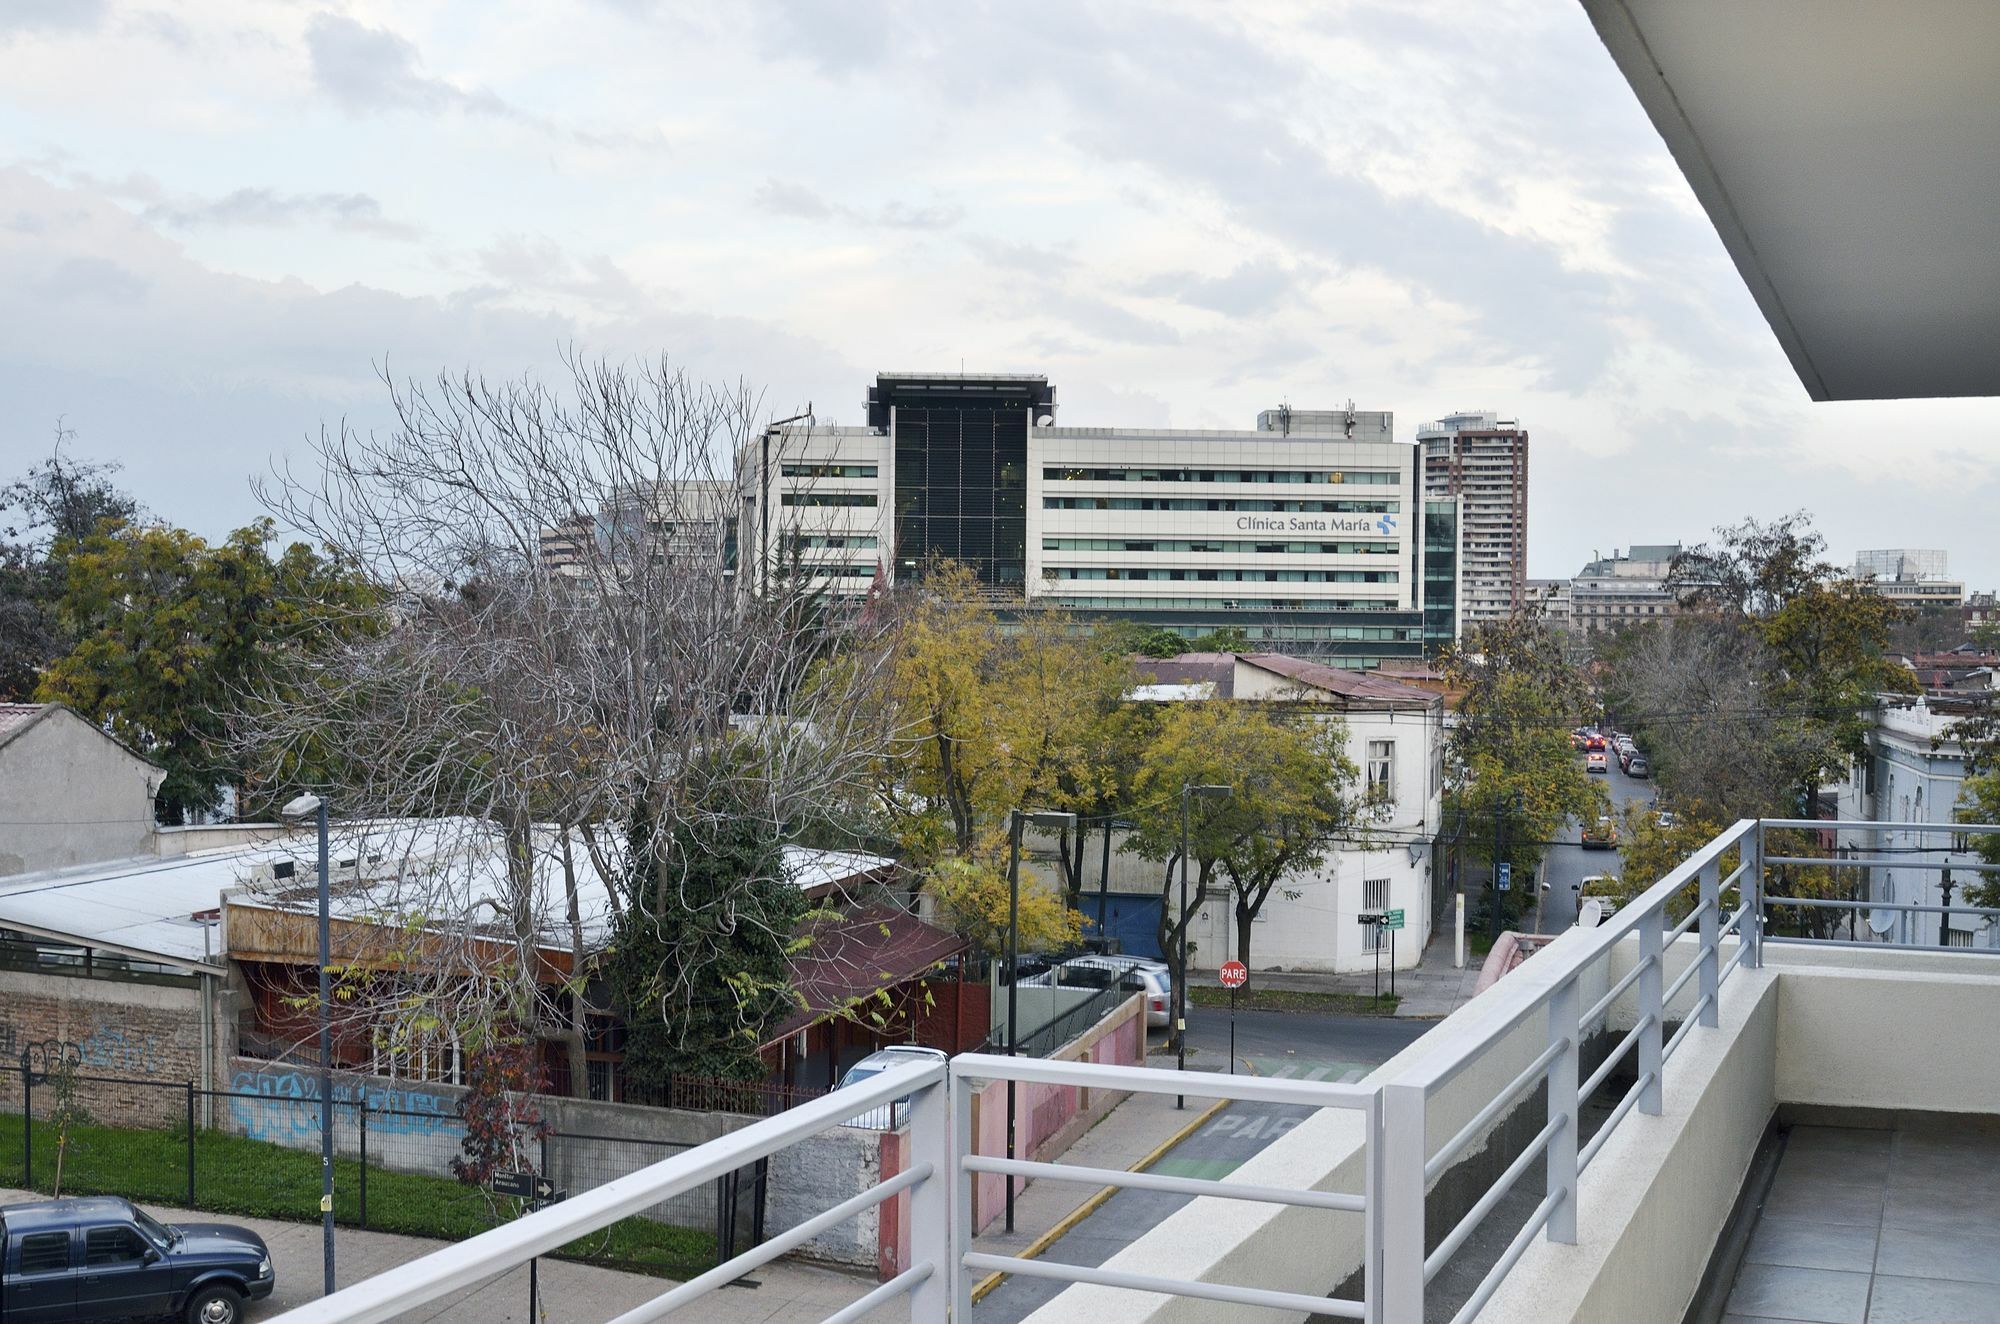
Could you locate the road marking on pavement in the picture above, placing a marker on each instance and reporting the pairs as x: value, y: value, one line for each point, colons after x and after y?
x: 1090, y: 1206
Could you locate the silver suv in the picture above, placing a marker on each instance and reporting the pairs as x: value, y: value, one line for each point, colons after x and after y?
x: 887, y: 1116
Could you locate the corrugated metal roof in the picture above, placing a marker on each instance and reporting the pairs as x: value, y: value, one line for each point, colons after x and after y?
x: 149, y: 906
x: 1339, y: 680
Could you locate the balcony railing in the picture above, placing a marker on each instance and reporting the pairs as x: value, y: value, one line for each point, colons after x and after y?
x: 1566, y: 994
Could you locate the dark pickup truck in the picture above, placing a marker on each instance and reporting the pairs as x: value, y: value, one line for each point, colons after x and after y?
x: 81, y: 1261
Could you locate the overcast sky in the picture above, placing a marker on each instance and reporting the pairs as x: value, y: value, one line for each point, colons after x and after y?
x: 218, y: 220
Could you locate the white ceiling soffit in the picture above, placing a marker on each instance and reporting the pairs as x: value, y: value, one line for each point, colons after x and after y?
x: 1848, y: 152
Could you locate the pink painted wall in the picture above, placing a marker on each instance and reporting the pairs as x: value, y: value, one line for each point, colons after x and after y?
x: 1044, y: 1113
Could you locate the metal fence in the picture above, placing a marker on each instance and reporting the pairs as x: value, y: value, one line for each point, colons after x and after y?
x: 1064, y: 1026
x: 257, y: 1154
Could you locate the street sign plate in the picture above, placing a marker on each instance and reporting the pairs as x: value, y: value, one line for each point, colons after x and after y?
x: 1233, y: 974
x: 1392, y: 919
x: 524, y: 1186
x: 1505, y: 882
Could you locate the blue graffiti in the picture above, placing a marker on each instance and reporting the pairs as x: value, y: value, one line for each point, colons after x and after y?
x: 286, y: 1106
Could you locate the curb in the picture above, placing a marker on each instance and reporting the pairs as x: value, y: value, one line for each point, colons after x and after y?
x: 1090, y: 1206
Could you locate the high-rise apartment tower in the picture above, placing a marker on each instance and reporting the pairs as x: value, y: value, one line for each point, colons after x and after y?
x: 1482, y: 459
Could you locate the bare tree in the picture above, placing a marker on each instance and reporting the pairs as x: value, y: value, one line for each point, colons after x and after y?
x: 570, y: 679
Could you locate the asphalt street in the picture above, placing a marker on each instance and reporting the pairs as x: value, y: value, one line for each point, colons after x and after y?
x: 1566, y: 866
x: 1301, y: 1045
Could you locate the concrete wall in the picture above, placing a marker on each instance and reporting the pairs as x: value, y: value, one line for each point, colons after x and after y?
x: 69, y: 795
x: 141, y: 1032
x: 1916, y: 1039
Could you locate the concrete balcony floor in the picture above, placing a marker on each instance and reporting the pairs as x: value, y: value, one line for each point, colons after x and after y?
x: 1885, y: 1226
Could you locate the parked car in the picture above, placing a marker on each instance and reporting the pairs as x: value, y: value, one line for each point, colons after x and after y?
x: 888, y: 1116
x: 1603, y: 888
x: 1601, y: 835
x: 1665, y: 818
x: 1595, y: 761
x: 104, y: 1258
x: 1636, y: 766
x: 1140, y: 974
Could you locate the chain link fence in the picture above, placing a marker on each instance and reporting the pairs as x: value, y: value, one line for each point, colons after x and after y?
x: 257, y: 1154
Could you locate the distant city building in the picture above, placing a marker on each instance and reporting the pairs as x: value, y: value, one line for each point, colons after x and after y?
x: 1482, y: 459
x: 1911, y: 576
x: 1552, y: 598
x: 1303, y: 532
x: 1624, y: 589
x: 566, y: 548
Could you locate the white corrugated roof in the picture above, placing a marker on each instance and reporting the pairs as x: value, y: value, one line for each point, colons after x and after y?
x: 444, y: 873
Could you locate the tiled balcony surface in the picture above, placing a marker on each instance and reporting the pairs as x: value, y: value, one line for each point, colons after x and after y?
x: 1878, y: 1227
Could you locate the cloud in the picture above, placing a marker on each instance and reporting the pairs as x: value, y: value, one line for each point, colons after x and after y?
x: 1253, y: 287
x: 797, y: 202
x: 50, y: 15
x: 368, y: 71
x: 263, y: 207
x: 191, y: 376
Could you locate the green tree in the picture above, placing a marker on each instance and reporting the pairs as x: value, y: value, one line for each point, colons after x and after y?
x: 699, y: 965
x: 1822, y: 637
x: 59, y: 502
x: 1513, y: 778
x: 1292, y: 796
x: 172, y: 635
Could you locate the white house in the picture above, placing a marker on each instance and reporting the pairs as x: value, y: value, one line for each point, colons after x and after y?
x: 1395, y: 739
x: 1914, y: 773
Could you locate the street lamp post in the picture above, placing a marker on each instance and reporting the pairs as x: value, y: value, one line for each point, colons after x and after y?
x: 1189, y: 790
x: 1015, y: 818
x: 1944, y: 916
x: 299, y: 808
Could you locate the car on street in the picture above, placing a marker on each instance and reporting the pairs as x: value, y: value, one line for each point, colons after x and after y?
x: 1595, y: 761
x: 888, y: 1116
x: 1138, y: 974
x: 1665, y: 818
x: 1601, y: 835
x: 1636, y: 766
x: 1603, y: 888
x: 78, y: 1261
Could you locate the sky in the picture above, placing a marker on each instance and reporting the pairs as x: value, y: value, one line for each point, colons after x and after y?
x: 222, y: 223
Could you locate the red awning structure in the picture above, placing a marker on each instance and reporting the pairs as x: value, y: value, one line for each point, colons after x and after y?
x: 867, y: 950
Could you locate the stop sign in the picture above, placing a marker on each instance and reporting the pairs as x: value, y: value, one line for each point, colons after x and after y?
x: 1234, y: 974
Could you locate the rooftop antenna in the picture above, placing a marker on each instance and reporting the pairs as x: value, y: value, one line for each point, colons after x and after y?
x: 1350, y: 420
x: 1285, y: 418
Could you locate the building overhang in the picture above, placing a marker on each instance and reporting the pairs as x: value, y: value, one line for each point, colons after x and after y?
x: 1843, y: 150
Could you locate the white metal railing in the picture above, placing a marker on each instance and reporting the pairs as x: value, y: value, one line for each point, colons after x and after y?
x: 1152, y: 1080
x: 393, y: 1292
x: 1398, y: 1259
x: 1552, y: 984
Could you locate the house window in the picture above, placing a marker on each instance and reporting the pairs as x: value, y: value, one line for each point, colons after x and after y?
x: 1374, y: 899
x: 1382, y: 771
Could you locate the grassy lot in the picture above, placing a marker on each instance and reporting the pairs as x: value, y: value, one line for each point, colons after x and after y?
x: 1284, y: 999
x: 254, y: 1178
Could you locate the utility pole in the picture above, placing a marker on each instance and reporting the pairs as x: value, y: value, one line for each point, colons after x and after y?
x: 1944, y: 919
x: 1499, y: 853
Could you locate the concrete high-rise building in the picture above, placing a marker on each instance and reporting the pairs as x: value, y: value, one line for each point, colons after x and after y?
x: 1309, y: 532
x: 1482, y: 459
x: 1911, y: 576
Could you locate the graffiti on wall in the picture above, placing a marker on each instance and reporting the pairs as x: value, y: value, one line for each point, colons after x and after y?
x: 106, y: 1049
x: 286, y: 1106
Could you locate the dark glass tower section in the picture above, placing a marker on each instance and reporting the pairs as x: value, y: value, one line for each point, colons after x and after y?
x: 1440, y: 574
x: 961, y: 450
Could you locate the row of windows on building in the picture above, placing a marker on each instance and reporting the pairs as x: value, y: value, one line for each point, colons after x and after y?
x: 1226, y: 576
x: 829, y: 499
x: 1369, y: 633
x: 1217, y: 545
x: 828, y: 470
x: 1071, y: 474
x: 802, y: 541
x: 1222, y: 503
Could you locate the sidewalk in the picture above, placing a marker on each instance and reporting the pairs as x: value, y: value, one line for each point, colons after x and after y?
x: 783, y: 1292
x: 1431, y: 991
x: 1135, y: 1130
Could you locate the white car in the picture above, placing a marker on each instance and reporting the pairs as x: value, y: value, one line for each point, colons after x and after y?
x: 887, y: 1116
x: 1139, y: 974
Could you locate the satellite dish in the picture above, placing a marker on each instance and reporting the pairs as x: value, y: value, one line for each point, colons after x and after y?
x: 1046, y: 421
x: 1591, y: 915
